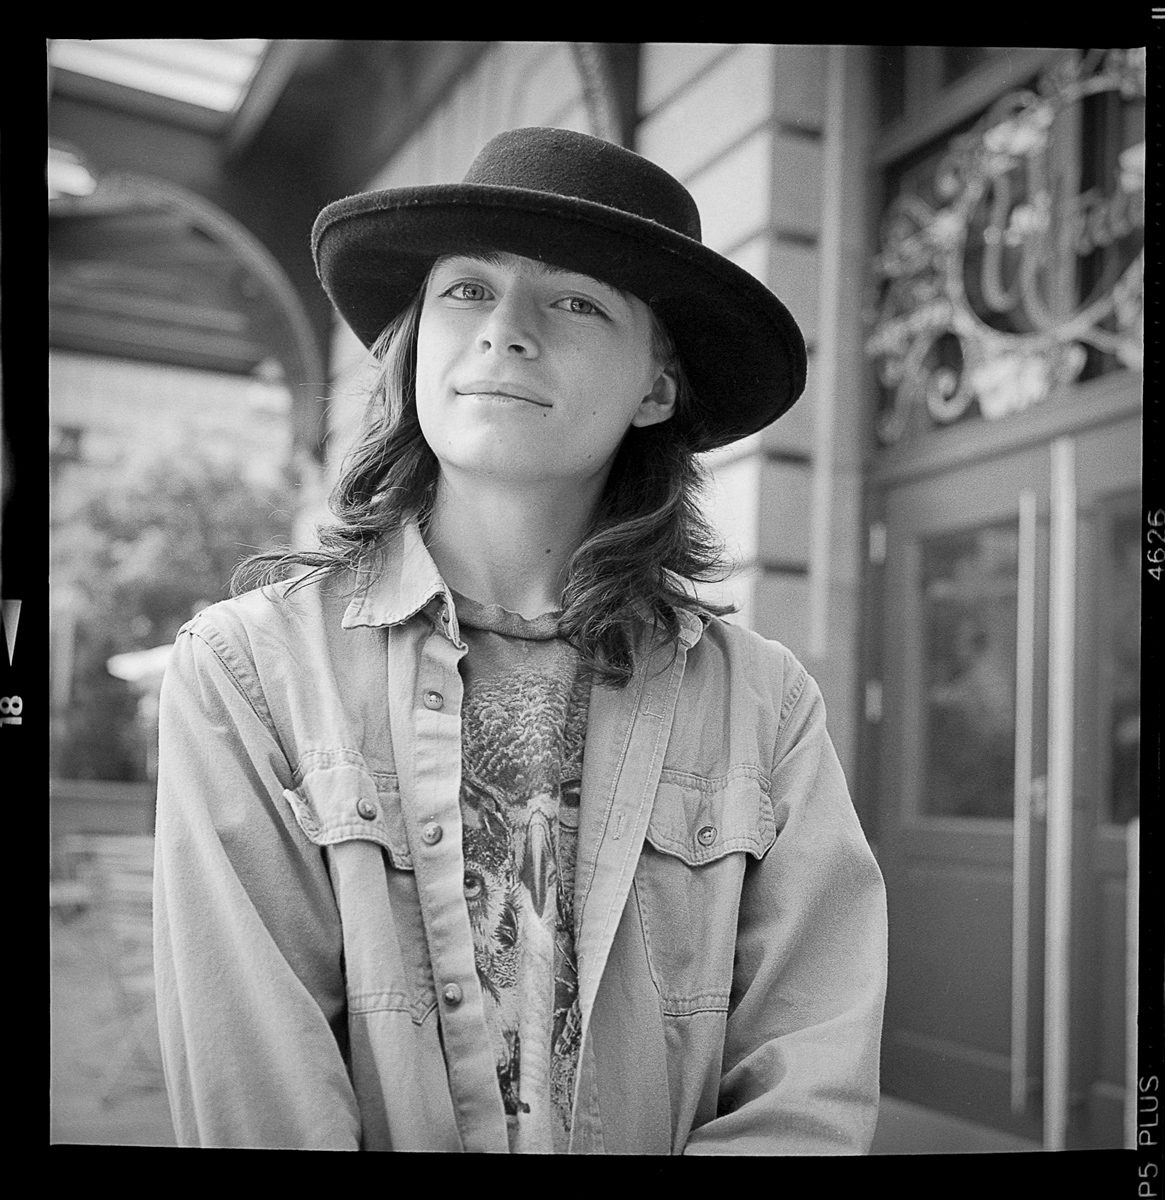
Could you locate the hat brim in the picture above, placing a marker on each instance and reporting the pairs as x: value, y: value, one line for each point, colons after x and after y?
x: 740, y: 346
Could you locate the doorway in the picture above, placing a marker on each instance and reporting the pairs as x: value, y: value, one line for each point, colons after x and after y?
x: 1008, y: 775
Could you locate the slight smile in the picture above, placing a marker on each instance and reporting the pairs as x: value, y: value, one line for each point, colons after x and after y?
x: 502, y: 390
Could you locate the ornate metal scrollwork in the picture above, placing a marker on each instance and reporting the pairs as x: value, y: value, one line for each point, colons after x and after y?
x: 996, y: 278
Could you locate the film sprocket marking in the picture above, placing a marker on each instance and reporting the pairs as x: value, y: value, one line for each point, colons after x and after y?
x: 11, y: 707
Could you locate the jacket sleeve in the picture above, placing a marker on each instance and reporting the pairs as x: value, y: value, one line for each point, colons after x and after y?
x: 247, y: 939
x: 802, y: 1044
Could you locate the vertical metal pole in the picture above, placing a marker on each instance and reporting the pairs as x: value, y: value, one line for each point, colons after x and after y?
x: 1025, y: 639
x: 1061, y: 740
x: 1132, y: 952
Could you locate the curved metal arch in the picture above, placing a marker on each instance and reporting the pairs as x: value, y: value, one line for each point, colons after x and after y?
x: 294, y: 345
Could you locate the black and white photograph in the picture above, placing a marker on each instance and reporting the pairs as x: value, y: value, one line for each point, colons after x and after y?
x: 595, y: 598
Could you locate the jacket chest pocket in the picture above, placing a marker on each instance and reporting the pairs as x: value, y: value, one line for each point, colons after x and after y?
x: 354, y: 815
x: 700, y: 837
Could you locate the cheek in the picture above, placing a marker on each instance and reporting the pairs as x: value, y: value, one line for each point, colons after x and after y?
x: 621, y: 384
x: 435, y: 352
x: 427, y: 355
x: 427, y: 384
x: 439, y: 341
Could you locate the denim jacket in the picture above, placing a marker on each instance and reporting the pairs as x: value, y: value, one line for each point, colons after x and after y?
x: 314, y: 959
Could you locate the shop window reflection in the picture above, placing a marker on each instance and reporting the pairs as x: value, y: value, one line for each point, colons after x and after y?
x: 968, y: 584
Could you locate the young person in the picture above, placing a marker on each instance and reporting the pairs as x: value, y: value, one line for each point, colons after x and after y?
x: 483, y: 833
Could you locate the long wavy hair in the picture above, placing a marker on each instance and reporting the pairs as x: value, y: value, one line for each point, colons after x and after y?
x: 646, y: 546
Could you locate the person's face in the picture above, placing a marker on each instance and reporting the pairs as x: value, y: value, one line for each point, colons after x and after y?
x: 529, y: 373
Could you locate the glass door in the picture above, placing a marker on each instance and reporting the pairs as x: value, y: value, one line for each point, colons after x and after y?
x: 1008, y: 770
x: 964, y: 739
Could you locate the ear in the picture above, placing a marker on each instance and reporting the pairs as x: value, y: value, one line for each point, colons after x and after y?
x: 660, y: 403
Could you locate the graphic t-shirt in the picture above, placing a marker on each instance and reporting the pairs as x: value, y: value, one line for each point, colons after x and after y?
x: 524, y: 721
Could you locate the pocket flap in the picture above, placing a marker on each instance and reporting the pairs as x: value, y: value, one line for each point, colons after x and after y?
x: 700, y: 820
x: 342, y: 800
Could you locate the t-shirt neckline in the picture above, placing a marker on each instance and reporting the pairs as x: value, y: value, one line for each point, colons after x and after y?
x: 493, y: 618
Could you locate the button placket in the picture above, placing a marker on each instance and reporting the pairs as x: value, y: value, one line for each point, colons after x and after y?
x: 434, y: 823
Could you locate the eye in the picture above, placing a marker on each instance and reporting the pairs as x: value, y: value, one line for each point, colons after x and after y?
x: 474, y: 885
x: 582, y: 306
x: 466, y: 289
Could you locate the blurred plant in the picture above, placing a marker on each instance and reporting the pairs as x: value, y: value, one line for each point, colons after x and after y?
x: 139, y: 560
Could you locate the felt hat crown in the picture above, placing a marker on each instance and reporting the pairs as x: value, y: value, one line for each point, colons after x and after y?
x: 586, y: 205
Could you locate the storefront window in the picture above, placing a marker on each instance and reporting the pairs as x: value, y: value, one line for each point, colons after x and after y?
x: 1010, y: 263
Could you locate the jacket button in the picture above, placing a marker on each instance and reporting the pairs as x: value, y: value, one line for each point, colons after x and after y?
x: 434, y: 700
x: 366, y: 809
x: 707, y: 835
x: 452, y: 994
x: 431, y: 834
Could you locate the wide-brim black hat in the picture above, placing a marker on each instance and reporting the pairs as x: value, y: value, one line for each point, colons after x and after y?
x: 586, y: 205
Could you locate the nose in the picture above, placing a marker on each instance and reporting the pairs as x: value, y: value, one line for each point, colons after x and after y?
x: 509, y: 328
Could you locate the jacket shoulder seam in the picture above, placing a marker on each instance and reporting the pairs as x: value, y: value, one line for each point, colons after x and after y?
x: 260, y: 709
x: 793, y: 695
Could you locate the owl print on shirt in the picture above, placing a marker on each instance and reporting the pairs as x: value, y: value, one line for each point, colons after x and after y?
x: 523, y: 727
x: 522, y: 743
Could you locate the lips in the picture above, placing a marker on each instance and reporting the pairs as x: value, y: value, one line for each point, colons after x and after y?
x: 493, y: 387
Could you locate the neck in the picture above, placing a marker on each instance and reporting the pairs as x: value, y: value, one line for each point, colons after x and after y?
x: 500, y: 544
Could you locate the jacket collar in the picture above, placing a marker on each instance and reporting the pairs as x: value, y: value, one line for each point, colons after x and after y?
x: 691, y: 627
x: 396, y: 581
x: 400, y: 578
